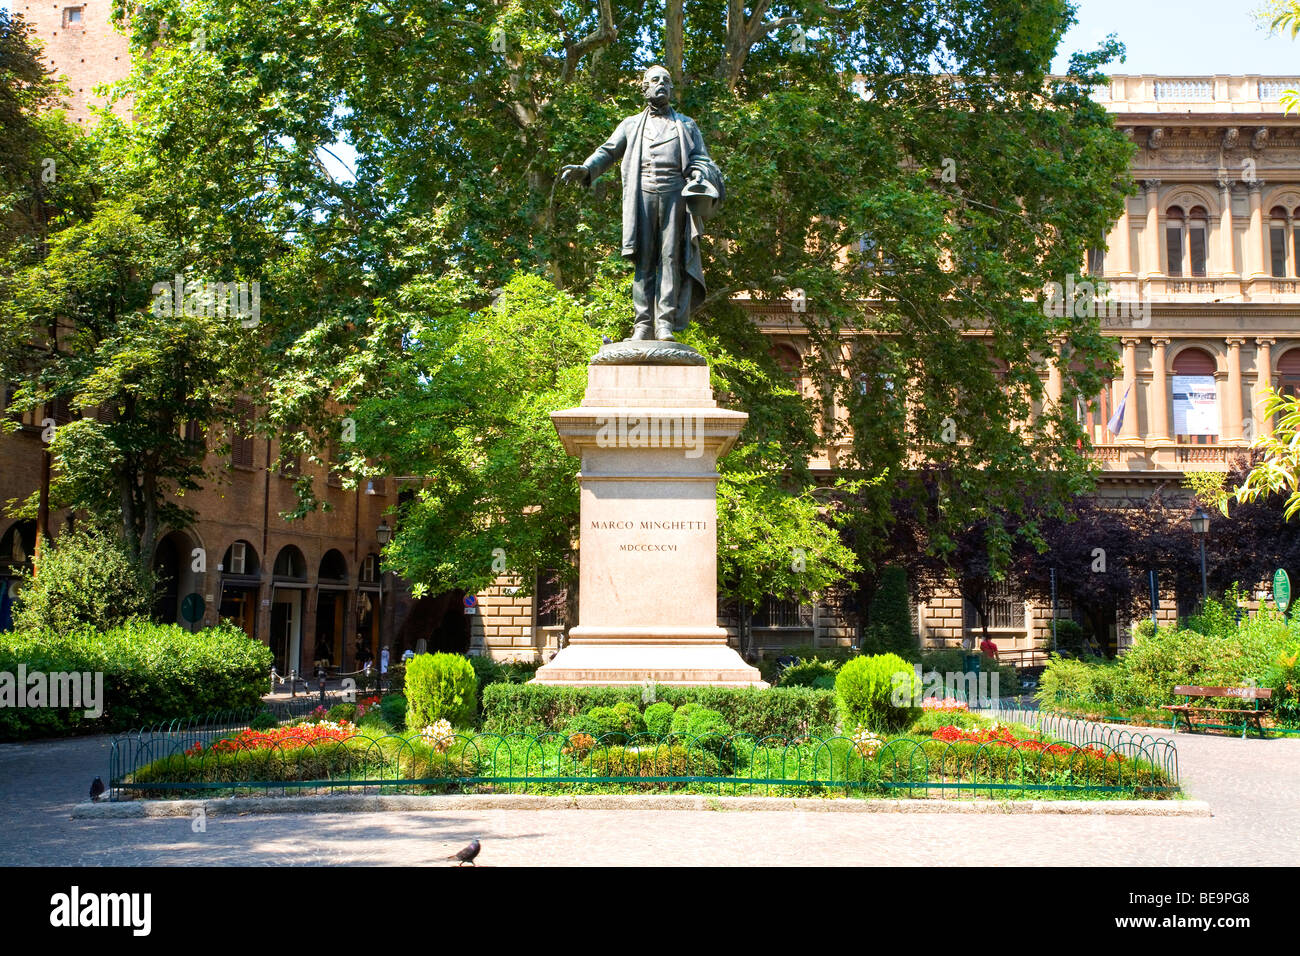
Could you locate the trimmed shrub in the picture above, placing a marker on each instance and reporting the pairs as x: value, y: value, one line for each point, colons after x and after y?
x: 659, y: 718
x: 440, y: 686
x: 681, y: 717
x: 864, y: 690
x: 86, y: 579
x: 393, y: 709
x: 805, y: 673
x: 890, y: 630
x: 774, y: 712
x: 151, y: 673
x: 263, y: 721
x: 623, y: 719
x: 709, y: 729
x: 342, y: 712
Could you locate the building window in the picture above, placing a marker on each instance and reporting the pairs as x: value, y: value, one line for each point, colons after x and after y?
x: 241, y: 437
x: 775, y: 613
x: 1174, y: 240
x: 1006, y: 608
x: 1278, y: 230
x: 1197, y: 229
x: 74, y: 17
x: 1185, y: 240
x: 1096, y: 261
x: 1288, y: 373
x: 1195, y: 399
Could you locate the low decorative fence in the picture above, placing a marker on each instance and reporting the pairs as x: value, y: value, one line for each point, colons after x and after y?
x: 323, y: 758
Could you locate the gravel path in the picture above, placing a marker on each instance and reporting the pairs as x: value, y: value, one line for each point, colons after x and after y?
x: 1251, y: 786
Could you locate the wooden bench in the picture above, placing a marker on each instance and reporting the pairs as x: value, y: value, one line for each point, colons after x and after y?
x: 1187, y: 709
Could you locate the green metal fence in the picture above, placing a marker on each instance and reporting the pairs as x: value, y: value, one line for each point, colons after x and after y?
x: 199, y: 761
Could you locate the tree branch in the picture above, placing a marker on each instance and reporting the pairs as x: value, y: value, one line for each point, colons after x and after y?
x: 602, y: 36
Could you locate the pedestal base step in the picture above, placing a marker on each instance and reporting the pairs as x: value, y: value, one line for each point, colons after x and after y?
x: 681, y: 664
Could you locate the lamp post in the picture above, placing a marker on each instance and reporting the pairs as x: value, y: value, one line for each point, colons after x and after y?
x: 1200, y: 522
x: 383, y: 534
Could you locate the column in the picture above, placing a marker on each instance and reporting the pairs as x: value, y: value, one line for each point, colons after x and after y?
x: 1159, y: 396
x: 1151, y: 233
x: 1232, y: 412
x: 1128, y: 431
x: 1226, y: 252
x: 1263, y: 382
x: 1254, y: 247
x: 1119, y: 255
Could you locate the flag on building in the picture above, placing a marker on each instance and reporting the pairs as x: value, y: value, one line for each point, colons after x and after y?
x: 1117, y: 420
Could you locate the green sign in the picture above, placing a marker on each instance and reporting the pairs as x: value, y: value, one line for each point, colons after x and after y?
x: 193, y: 606
x: 1281, y: 590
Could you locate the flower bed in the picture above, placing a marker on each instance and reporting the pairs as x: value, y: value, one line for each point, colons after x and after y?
x: 1002, y: 761
x: 1001, y: 735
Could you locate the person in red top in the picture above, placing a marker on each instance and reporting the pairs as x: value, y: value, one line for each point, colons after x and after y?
x: 988, y: 647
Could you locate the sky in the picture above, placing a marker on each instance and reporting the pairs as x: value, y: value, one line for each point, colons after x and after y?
x: 1182, y: 37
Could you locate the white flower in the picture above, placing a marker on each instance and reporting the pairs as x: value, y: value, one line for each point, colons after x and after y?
x: 440, y: 734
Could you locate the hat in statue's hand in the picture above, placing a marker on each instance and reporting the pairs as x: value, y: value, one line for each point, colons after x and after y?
x: 701, y: 197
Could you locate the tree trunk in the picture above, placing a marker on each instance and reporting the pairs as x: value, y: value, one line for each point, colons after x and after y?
x: 674, y: 45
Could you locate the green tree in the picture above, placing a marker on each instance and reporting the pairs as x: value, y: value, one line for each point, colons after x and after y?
x: 877, y: 173
x: 85, y: 578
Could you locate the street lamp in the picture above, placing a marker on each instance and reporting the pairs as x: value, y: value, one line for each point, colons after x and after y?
x: 383, y: 534
x: 1200, y: 522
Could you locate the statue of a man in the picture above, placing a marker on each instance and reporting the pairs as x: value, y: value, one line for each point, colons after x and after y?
x: 669, y: 186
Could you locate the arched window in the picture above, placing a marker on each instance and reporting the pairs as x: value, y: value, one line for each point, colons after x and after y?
x: 240, y: 559
x: 1278, y: 228
x: 1174, y: 223
x: 290, y: 564
x: 1195, y: 398
x: 1185, y: 240
x: 1288, y: 372
x: 1197, y: 229
x: 333, y: 566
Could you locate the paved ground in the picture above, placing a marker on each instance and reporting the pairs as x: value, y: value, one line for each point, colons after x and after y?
x: 1252, y: 786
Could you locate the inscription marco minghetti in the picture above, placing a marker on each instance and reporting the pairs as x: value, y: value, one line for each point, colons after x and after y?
x: 648, y: 525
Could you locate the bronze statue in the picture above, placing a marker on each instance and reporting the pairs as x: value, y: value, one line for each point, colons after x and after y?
x: 669, y: 186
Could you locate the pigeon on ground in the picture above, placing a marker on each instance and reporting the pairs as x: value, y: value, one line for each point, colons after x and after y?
x: 96, y: 788
x: 467, y: 855
x: 605, y: 339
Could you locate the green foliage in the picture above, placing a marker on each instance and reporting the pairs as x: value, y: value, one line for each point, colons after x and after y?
x: 263, y: 721
x: 342, y: 712
x: 932, y: 720
x: 659, y: 718
x: 890, y: 630
x: 1069, y: 637
x: 151, y: 673
x: 682, y: 716
x: 84, y: 579
x: 491, y: 671
x: 440, y: 686
x: 393, y: 709
x: 705, y: 728
x: 778, y: 711
x: 1207, y: 649
x: 864, y: 688
x: 807, y: 672
x: 618, y: 722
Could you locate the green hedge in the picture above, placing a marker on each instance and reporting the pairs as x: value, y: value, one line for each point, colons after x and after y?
x: 151, y: 673
x: 778, y: 711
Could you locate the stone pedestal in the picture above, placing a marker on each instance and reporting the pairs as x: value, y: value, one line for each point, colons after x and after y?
x: 649, y: 437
